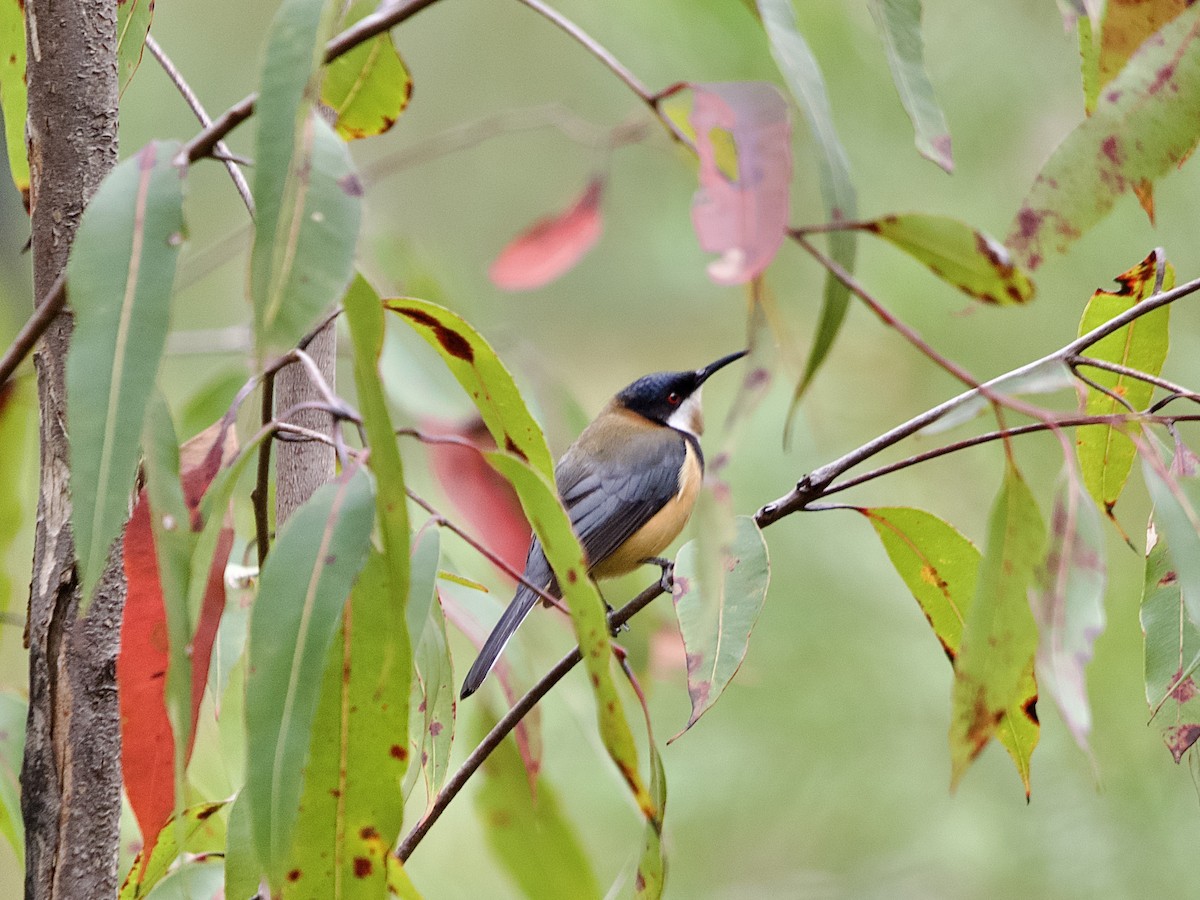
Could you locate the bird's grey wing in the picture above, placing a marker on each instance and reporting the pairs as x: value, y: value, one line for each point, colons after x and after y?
x: 609, y: 500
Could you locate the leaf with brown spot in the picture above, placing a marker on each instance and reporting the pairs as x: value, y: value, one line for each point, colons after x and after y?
x: 1171, y: 645
x: 720, y: 588
x: 1068, y: 603
x: 940, y: 568
x: 962, y: 256
x: 482, y: 375
x: 1146, y: 122
x: 1125, y: 27
x: 552, y: 246
x: 13, y: 94
x: 1106, y: 452
x: 999, y: 634
x: 368, y: 87
x: 199, y: 833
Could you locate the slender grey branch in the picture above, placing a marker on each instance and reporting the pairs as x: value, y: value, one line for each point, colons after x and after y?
x: 193, y: 101
x: 1155, y: 380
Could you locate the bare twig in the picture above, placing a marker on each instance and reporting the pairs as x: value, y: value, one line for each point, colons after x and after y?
x: 34, y: 328
x: 193, y: 101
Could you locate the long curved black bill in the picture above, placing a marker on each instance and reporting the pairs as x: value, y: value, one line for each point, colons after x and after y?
x: 702, y: 375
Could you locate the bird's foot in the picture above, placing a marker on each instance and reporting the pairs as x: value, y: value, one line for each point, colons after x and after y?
x: 613, y: 630
x: 667, y: 580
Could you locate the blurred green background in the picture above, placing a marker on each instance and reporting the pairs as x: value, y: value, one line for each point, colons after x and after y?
x: 824, y: 770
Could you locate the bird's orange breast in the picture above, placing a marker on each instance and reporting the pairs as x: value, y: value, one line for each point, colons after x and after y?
x: 663, y: 527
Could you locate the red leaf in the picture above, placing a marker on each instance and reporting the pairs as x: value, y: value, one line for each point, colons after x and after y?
x: 478, y: 491
x: 147, y: 743
x: 741, y: 208
x: 551, y: 246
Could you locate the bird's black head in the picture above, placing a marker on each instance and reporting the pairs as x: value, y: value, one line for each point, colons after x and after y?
x: 663, y: 397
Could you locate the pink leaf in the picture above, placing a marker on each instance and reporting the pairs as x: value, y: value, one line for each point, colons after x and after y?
x: 551, y: 246
x: 741, y: 208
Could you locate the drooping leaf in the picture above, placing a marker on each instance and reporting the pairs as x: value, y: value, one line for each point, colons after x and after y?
x: 200, y: 828
x: 1105, y: 451
x: 651, y: 876
x: 350, y: 812
x: 552, y: 246
x: 365, y: 316
x: 162, y: 665
x: 740, y: 210
x: 1068, y: 604
x: 999, y: 634
x: 958, y: 254
x: 133, y: 24
x: 533, y: 840
x: 716, y: 619
x: 303, y: 588
x: 940, y: 567
x: 1176, y: 496
x: 193, y: 879
x: 368, y: 87
x: 438, y: 700
x: 1172, y: 646
x: 13, y: 95
x: 120, y: 273
x: 480, y: 495
x: 899, y: 25
x: 475, y: 364
x: 13, y: 712
x: 803, y: 76
x: 1146, y: 122
x: 566, y: 558
x: 307, y: 197
x: 398, y: 882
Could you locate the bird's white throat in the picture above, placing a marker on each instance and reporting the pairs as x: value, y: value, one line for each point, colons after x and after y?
x: 688, y: 417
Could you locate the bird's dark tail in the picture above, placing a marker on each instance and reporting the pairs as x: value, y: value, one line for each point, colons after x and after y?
x: 512, y: 617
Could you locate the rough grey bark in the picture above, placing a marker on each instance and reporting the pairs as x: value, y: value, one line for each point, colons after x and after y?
x: 303, y: 466
x: 71, y: 776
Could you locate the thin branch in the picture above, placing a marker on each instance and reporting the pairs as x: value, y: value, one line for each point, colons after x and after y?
x: 193, y: 101
x: 813, y: 485
x: 43, y: 314
x: 1170, y: 386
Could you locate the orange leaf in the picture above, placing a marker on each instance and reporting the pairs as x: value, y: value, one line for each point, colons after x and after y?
x: 551, y: 246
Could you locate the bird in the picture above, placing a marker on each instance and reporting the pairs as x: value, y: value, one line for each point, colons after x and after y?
x: 628, y: 484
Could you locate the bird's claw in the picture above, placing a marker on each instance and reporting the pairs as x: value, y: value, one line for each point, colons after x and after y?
x: 667, y: 580
x: 613, y: 630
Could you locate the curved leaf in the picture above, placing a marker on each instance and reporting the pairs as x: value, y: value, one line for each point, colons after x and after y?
x: 431, y: 732
x: 803, y: 76
x: 368, y: 87
x: 350, y: 812
x: 474, y: 363
x: 1105, y: 452
x: 307, y: 197
x: 716, y: 619
x: 958, y: 254
x: 999, y: 634
x: 940, y: 567
x: 1146, y: 122
x: 304, y: 585
x: 743, y: 139
x: 553, y: 528
x: 13, y: 95
x: 1176, y: 517
x: 1068, y: 604
x: 120, y: 272
x: 200, y: 828
x: 1125, y: 26
x: 899, y: 25
x: 533, y: 838
x: 133, y: 24
x: 552, y: 246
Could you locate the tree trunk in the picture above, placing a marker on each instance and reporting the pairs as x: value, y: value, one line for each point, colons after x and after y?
x: 303, y: 466
x: 71, y: 776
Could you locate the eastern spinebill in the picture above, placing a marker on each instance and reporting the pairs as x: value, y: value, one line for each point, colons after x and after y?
x: 628, y: 484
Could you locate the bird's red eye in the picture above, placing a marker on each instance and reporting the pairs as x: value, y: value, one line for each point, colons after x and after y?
x: 673, y: 398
